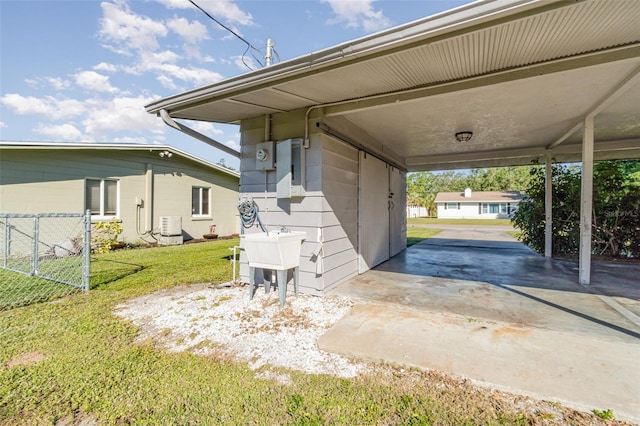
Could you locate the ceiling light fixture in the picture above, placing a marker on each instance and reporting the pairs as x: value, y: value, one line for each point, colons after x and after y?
x: 167, y: 154
x: 463, y: 136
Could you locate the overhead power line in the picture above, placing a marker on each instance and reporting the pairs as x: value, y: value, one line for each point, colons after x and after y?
x: 249, y: 45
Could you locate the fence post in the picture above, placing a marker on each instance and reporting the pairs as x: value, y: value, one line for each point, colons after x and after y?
x: 34, y: 251
x: 7, y: 244
x: 86, y: 251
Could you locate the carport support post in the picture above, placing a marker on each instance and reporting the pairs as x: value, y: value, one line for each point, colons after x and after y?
x: 548, y: 207
x: 586, y: 202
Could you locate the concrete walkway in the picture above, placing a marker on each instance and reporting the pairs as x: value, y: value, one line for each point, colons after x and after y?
x: 474, y: 302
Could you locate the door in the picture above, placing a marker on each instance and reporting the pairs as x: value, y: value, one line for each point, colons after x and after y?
x: 397, y: 211
x: 373, y: 212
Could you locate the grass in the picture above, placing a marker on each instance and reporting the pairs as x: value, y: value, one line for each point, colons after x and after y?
x: 436, y: 221
x: 416, y: 234
x: 17, y: 289
x: 72, y: 361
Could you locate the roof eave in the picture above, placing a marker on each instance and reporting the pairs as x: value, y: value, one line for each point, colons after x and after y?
x: 452, y: 21
x: 116, y: 146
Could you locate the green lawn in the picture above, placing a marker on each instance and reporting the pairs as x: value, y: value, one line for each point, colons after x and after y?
x: 416, y: 234
x: 436, y: 221
x: 72, y: 360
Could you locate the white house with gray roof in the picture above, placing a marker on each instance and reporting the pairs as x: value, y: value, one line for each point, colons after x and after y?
x: 477, y: 204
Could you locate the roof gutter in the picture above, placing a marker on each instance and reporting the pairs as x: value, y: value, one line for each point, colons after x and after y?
x: 194, y: 134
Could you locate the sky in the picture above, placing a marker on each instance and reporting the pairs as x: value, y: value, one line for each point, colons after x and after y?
x: 83, y: 70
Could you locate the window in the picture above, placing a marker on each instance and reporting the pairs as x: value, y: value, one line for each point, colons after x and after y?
x: 101, y: 197
x: 451, y: 206
x: 494, y: 208
x: 503, y: 208
x: 485, y: 208
x: 199, y: 201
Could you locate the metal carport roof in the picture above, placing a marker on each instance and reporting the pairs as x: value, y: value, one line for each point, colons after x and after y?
x: 521, y: 75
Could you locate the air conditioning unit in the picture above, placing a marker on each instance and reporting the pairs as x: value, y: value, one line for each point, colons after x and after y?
x: 170, y: 226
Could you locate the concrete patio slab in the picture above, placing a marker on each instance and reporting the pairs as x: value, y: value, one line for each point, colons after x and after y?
x: 477, y: 303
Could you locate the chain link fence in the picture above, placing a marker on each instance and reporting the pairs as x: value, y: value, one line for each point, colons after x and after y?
x: 43, y: 257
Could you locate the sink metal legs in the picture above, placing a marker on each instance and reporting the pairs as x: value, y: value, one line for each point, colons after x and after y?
x: 281, y: 278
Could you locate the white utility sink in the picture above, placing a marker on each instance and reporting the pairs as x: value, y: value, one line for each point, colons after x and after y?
x: 278, y: 250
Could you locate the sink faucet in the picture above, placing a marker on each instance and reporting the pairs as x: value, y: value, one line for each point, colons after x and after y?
x: 283, y: 229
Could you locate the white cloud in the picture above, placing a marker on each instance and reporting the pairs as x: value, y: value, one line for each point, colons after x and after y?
x: 168, y: 73
x: 120, y: 114
x: 245, y: 62
x: 103, y: 66
x: 124, y: 30
x: 2, y: 125
x: 94, y: 81
x: 48, y: 106
x: 220, y: 9
x: 126, y: 139
x: 358, y: 13
x: 151, y: 60
x: 233, y: 144
x: 191, y: 32
x: 58, y: 83
x: 62, y: 132
x: 205, y: 128
x: 167, y: 82
x: 99, y: 117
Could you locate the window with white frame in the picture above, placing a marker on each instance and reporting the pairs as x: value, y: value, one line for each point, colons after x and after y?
x: 200, y: 201
x: 451, y: 206
x: 101, y: 197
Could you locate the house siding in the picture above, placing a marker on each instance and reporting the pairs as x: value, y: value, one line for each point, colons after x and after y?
x: 327, y: 212
x: 298, y: 213
x: 49, y: 180
x: 340, y: 169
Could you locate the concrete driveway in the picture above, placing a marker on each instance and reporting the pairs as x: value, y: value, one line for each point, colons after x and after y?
x: 476, y: 303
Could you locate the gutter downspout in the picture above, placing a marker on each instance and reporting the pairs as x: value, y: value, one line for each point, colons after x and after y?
x: 148, y: 199
x: 194, y: 134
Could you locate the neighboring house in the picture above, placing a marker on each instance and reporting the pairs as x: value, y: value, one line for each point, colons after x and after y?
x: 477, y: 205
x: 145, y: 187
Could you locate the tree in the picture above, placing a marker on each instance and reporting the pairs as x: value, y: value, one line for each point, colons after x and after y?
x: 615, y: 214
x: 499, y: 179
x: 530, y: 216
x: 616, y: 208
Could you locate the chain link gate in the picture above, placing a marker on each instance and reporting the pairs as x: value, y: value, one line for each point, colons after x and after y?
x: 43, y: 256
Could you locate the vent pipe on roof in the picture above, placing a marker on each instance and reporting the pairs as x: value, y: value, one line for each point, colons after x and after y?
x: 268, y: 55
x: 188, y: 131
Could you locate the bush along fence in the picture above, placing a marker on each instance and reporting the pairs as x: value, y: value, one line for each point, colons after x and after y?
x: 43, y: 256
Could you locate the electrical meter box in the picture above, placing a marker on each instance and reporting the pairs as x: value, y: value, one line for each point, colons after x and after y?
x: 265, y: 156
x: 290, y: 168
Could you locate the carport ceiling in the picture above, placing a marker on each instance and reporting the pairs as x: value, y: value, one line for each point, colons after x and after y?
x: 521, y: 75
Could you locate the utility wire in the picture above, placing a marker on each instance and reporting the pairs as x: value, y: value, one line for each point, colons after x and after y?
x: 249, y: 45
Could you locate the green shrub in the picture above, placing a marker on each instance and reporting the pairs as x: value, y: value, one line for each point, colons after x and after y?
x: 104, y: 235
